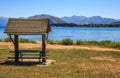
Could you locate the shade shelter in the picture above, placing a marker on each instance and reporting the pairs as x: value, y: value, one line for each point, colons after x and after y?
x: 28, y: 26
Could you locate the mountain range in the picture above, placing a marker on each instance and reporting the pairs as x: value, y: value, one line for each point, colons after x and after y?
x: 53, y: 19
x: 88, y: 20
x: 72, y: 19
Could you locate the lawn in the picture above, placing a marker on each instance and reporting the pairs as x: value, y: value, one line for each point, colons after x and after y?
x: 70, y: 63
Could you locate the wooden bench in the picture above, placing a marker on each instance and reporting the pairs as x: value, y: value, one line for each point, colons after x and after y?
x: 28, y: 54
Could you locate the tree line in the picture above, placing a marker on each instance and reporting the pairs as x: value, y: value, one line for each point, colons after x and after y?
x: 84, y: 25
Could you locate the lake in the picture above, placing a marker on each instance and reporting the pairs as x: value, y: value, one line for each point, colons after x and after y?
x: 75, y: 33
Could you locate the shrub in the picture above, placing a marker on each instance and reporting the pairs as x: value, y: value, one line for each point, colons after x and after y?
x: 115, y: 45
x: 58, y: 42
x: 0, y: 40
x: 51, y: 42
x: 23, y: 40
x: 67, y: 41
x: 79, y: 42
x: 105, y: 43
x: 92, y: 42
x: 7, y: 39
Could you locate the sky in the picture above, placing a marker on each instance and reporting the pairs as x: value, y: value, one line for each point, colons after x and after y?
x: 60, y: 8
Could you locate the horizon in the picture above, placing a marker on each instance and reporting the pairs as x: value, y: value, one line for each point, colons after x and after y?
x: 26, y: 8
x: 60, y: 17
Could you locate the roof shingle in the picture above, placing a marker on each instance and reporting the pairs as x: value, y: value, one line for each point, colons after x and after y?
x: 27, y: 26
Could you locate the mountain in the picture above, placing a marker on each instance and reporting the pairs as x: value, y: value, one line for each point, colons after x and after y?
x: 116, y: 23
x: 3, y: 21
x: 53, y: 19
x: 75, y: 19
x: 88, y: 20
x: 72, y: 19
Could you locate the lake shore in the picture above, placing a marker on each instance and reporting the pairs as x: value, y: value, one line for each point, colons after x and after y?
x: 9, y: 45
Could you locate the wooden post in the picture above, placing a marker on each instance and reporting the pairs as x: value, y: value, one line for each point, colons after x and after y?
x: 16, y: 48
x: 43, y: 48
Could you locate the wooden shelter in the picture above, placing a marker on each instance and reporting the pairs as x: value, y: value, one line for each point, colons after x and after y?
x: 28, y: 26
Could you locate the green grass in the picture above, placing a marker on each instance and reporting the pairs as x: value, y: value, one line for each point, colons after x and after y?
x: 104, y: 43
x: 21, y: 40
x: 7, y: 39
x: 67, y: 41
x: 51, y: 41
x: 0, y: 40
x: 69, y: 64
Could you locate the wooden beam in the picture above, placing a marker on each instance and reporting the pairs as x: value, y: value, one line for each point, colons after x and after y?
x: 16, y: 48
x: 43, y: 48
x: 12, y: 39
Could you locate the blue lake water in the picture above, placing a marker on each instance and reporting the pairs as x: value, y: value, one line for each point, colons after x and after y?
x: 75, y: 33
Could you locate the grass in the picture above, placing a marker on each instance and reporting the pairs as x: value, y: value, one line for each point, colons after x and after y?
x: 21, y: 40
x: 67, y: 41
x: 0, y: 40
x: 69, y: 64
x: 51, y: 42
x: 104, y: 43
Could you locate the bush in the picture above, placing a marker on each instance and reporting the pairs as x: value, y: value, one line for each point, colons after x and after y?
x: 79, y: 42
x: 7, y: 39
x: 67, y: 41
x: 115, y: 45
x: 105, y: 43
x: 22, y: 40
x: 92, y: 42
x: 51, y: 42
x: 0, y: 40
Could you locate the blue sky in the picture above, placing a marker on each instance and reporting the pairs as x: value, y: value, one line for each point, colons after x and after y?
x: 60, y: 8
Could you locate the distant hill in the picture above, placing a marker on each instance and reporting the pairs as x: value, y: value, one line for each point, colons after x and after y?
x: 3, y: 21
x: 53, y: 19
x: 72, y: 19
x: 90, y: 20
x: 116, y: 23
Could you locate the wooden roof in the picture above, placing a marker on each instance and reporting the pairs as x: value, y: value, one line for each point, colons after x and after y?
x: 27, y: 26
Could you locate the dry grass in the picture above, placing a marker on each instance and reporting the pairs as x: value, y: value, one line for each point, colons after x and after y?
x: 100, y: 66
x: 105, y: 59
x: 70, y: 62
x: 32, y: 45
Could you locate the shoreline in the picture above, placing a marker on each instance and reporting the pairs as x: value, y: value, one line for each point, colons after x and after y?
x: 9, y: 45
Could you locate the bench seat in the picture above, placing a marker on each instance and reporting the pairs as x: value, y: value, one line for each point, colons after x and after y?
x: 25, y: 57
x: 28, y: 51
x: 28, y: 54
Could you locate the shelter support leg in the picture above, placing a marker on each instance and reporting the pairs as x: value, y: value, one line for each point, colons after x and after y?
x: 16, y: 48
x: 43, y: 48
